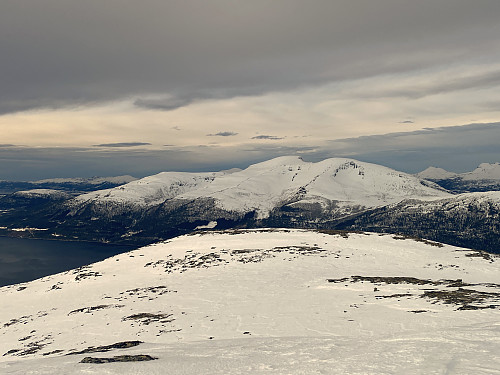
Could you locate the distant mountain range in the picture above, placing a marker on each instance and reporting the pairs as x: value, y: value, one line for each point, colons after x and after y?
x: 283, y: 192
x: 486, y: 177
x: 70, y: 185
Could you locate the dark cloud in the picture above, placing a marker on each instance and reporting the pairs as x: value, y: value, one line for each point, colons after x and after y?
x: 407, y: 122
x: 457, y: 148
x: 59, y: 53
x: 163, y: 105
x: 269, y: 137
x: 222, y: 134
x: 123, y: 144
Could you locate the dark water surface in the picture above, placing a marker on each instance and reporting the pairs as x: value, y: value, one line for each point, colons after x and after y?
x: 25, y: 260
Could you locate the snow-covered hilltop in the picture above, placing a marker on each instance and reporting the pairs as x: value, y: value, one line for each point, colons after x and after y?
x: 264, y: 301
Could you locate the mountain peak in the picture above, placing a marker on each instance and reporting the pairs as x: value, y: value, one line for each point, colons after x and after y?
x: 435, y: 173
x: 265, y: 186
x: 485, y: 171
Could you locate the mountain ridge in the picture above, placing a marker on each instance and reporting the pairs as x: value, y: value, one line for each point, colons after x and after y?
x: 335, y: 193
x: 263, y: 186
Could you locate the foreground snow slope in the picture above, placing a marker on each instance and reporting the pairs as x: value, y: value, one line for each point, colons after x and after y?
x: 263, y: 302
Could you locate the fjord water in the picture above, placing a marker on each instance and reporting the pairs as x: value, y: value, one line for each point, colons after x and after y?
x: 28, y: 259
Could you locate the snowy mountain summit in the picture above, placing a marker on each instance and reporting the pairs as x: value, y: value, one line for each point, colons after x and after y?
x: 269, y: 301
x: 434, y: 173
x: 486, y: 177
x: 485, y: 171
x: 349, y: 184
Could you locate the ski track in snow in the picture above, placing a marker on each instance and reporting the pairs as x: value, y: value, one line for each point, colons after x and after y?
x: 263, y: 302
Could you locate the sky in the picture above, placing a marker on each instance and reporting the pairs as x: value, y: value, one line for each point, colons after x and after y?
x: 126, y: 87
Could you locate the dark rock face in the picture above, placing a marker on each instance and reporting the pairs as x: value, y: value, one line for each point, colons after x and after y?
x: 120, y: 358
x: 106, y: 348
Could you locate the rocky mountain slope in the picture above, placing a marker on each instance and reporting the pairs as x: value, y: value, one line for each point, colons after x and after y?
x: 470, y: 220
x: 263, y: 302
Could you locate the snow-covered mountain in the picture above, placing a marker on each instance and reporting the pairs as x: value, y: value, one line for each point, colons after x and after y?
x: 262, y: 302
x: 283, y: 192
x: 434, y: 173
x: 484, y: 171
x: 486, y: 177
x: 265, y: 186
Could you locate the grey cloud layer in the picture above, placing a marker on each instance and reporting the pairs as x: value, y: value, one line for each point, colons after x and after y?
x: 222, y: 134
x: 268, y: 137
x: 57, y: 52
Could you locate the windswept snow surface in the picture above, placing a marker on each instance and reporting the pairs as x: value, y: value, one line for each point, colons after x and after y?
x: 263, y: 302
x: 265, y: 186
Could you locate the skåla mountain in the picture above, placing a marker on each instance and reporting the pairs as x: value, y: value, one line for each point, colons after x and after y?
x: 283, y: 192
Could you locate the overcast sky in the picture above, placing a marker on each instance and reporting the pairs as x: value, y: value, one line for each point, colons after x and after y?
x: 117, y: 86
